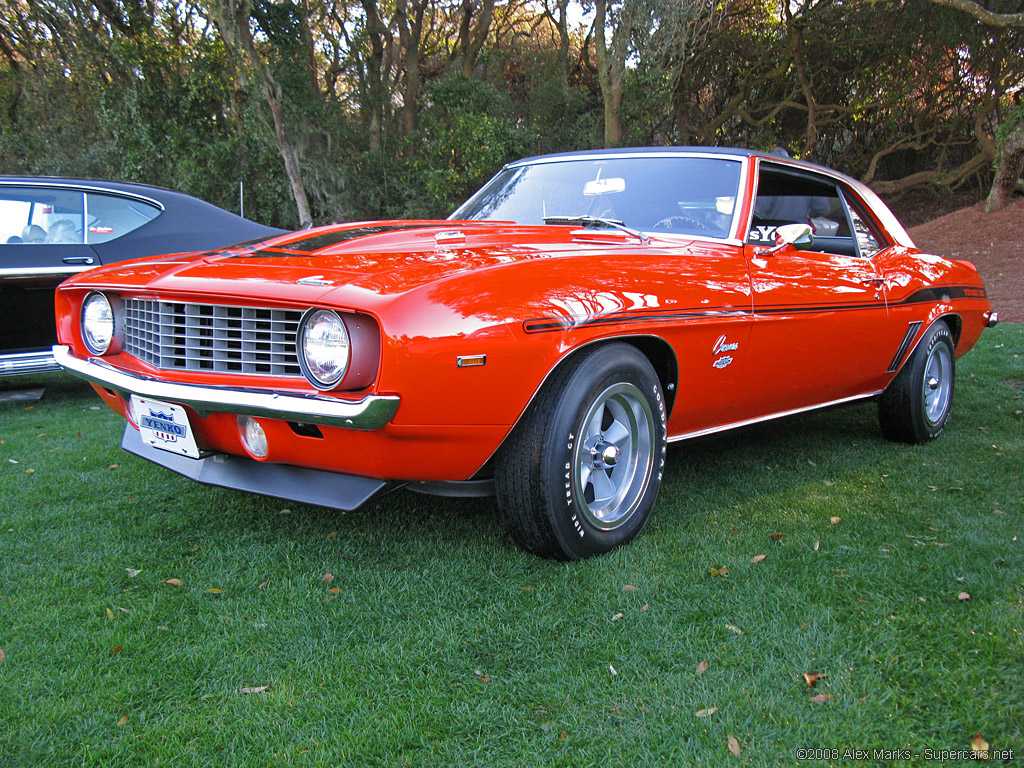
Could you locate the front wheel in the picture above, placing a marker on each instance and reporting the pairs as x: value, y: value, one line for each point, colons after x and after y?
x: 915, y: 406
x: 580, y: 472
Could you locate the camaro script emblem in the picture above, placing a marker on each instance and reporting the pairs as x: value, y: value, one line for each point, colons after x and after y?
x: 724, y: 345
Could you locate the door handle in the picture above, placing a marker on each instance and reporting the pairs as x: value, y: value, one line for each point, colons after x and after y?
x: 86, y: 260
x: 877, y: 282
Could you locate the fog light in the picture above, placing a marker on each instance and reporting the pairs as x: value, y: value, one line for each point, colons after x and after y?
x: 253, y: 436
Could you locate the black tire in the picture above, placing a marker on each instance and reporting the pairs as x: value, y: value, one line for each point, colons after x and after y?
x: 915, y: 406
x: 552, y: 467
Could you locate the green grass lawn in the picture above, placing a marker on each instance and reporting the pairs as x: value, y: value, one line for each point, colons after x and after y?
x: 437, y: 642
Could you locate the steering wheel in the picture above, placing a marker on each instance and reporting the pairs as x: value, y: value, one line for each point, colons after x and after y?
x: 670, y: 223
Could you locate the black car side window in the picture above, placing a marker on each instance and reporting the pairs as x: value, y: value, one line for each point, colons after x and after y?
x: 111, y: 216
x: 41, y: 215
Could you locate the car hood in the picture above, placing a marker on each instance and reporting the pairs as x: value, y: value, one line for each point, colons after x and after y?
x: 379, y: 258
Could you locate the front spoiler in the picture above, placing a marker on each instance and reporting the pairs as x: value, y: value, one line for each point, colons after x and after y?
x: 308, y: 486
x: 371, y: 412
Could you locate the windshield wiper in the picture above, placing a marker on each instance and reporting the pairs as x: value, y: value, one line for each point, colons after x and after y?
x: 597, y: 222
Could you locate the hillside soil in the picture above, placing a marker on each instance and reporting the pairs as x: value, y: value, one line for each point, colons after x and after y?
x: 994, y: 242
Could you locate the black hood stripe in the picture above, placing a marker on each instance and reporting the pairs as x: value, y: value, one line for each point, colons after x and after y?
x: 326, y: 240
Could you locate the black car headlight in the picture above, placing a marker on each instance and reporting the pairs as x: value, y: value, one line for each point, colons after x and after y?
x: 98, y: 323
x: 324, y: 348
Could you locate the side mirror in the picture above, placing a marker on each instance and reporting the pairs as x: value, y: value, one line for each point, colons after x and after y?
x: 799, y: 235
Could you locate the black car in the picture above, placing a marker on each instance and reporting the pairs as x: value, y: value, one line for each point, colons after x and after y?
x: 51, y: 228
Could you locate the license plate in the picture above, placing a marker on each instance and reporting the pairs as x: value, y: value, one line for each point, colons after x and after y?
x: 165, y: 426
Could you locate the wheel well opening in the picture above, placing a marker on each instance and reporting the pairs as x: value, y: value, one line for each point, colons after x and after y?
x: 663, y: 359
x: 956, y: 324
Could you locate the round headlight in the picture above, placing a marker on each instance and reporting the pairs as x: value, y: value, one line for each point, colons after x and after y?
x: 323, y: 348
x: 97, y: 323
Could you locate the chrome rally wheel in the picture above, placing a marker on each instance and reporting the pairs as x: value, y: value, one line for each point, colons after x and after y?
x: 580, y: 472
x: 916, y: 404
x: 614, y: 459
x: 937, y: 385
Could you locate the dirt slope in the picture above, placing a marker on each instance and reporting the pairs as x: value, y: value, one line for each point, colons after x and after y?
x: 993, y: 241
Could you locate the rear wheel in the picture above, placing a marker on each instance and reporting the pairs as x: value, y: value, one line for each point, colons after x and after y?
x: 580, y: 473
x: 915, y: 406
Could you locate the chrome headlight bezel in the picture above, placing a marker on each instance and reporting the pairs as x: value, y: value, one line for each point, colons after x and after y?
x: 332, y: 330
x: 98, y: 343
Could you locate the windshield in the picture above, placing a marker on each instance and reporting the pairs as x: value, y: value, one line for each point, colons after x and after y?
x: 678, y: 195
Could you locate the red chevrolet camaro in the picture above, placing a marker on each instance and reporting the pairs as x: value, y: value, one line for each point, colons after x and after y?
x: 545, y: 343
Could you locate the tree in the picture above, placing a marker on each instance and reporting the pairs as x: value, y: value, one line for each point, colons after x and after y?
x: 1010, y: 158
x: 233, y: 21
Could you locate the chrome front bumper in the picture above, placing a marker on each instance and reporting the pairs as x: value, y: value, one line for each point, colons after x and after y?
x: 370, y: 412
x: 20, y: 363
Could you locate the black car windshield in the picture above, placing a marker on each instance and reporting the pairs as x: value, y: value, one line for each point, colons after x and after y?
x: 679, y: 195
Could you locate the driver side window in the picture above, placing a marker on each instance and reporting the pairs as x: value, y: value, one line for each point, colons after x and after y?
x: 788, y: 197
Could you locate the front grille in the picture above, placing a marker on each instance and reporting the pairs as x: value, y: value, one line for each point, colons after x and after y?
x: 176, y: 336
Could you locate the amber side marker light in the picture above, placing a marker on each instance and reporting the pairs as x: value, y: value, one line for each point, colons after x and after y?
x: 471, y: 361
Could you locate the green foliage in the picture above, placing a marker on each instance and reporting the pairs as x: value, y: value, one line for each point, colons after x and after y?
x: 150, y: 93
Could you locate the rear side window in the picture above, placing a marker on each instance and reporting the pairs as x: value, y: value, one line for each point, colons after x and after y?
x: 45, y: 215
x: 110, y: 216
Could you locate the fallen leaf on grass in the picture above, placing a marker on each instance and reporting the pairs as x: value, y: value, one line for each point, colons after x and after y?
x: 563, y: 736
x: 116, y: 649
x: 285, y: 512
x: 215, y: 591
x: 123, y: 721
x: 702, y: 667
x: 645, y: 606
x: 327, y: 578
x: 257, y: 689
x: 776, y: 536
x: 613, y: 670
x: 835, y: 520
x: 812, y: 677
x: 335, y: 590
x: 821, y: 698
x: 706, y: 712
x: 262, y: 584
x: 963, y: 597
x: 173, y: 582
x: 734, y: 745
x: 125, y: 611
x: 720, y: 571
x: 979, y: 745
x: 617, y: 616
x: 113, y: 466
x: 817, y: 545
x: 757, y: 558
x: 629, y: 587
x: 132, y: 572
x: 734, y: 628
x: 110, y: 614
x: 2, y: 655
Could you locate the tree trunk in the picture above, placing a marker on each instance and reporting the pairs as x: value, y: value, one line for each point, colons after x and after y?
x: 232, y: 20
x: 610, y: 73
x: 1009, y: 167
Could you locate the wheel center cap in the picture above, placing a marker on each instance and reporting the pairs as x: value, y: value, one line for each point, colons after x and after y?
x: 933, y: 383
x: 606, y: 455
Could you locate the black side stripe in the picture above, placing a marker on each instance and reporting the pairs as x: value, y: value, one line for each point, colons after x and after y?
x: 912, y: 330
x: 922, y: 296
